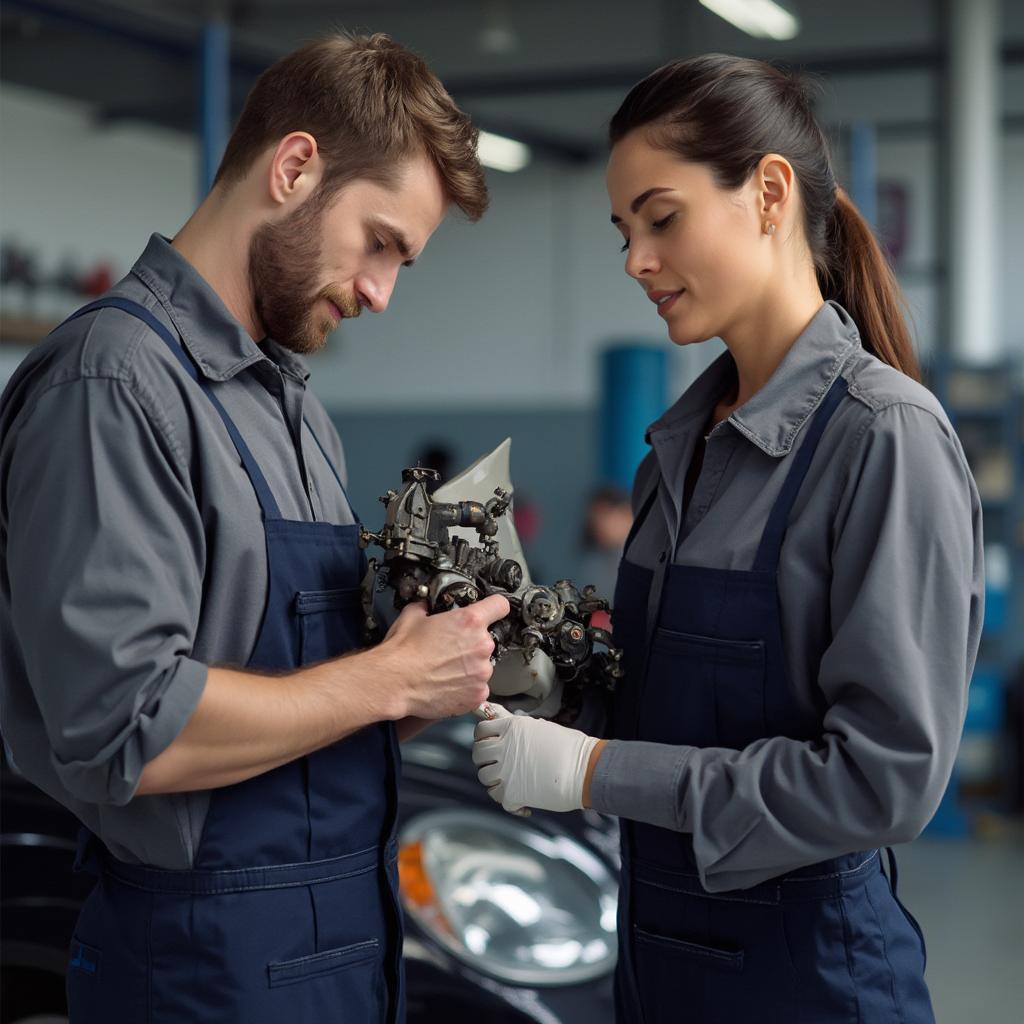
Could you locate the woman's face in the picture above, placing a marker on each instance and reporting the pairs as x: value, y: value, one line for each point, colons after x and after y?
x: 695, y: 248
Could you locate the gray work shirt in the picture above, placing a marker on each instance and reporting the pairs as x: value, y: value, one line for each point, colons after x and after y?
x: 881, y: 598
x: 132, y: 550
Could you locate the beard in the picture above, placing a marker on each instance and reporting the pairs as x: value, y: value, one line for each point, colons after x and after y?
x: 283, y: 259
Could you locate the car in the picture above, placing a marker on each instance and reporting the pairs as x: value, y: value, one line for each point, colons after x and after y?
x: 507, y: 919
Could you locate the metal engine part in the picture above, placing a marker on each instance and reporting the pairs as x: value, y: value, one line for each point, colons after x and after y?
x: 546, y: 651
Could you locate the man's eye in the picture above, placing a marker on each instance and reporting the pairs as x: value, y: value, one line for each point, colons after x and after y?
x: 379, y: 245
x: 625, y: 246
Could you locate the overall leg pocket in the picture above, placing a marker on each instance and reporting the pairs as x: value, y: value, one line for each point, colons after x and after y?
x: 82, y: 982
x: 727, y: 960
x: 263, y: 956
x: 678, y: 977
x: 318, y: 965
x: 344, y: 985
x: 717, y: 959
x: 911, y: 920
x: 895, y: 954
x: 108, y: 960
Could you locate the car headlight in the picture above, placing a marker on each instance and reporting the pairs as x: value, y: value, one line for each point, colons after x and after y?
x: 516, y: 903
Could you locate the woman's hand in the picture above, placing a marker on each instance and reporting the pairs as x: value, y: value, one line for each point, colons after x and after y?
x: 531, y: 762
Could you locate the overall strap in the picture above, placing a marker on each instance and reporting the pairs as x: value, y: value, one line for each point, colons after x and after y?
x: 768, y: 552
x: 249, y: 464
x: 327, y: 459
x: 660, y: 571
x: 657, y: 586
x: 641, y: 516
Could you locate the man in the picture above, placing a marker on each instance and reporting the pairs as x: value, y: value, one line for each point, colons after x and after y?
x: 175, y: 543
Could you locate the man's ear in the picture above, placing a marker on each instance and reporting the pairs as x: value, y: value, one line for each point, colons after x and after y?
x: 295, y: 168
x: 775, y: 176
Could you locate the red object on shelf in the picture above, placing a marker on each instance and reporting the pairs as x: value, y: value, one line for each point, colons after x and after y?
x: 97, y: 280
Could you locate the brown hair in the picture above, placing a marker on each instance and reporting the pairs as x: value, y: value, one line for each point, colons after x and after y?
x: 727, y: 113
x: 369, y: 103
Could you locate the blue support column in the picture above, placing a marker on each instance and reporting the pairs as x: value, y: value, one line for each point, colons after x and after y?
x: 214, y: 99
x: 864, y: 170
x: 633, y: 389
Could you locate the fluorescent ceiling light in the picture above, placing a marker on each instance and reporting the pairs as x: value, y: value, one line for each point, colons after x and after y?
x: 502, y: 154
x: 761, y: 18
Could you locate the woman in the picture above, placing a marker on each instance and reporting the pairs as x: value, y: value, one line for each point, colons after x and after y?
x: 800, y: 598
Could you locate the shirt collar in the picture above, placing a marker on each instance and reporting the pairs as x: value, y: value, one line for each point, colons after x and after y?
x: 772, y: 418
x: 217, y: 342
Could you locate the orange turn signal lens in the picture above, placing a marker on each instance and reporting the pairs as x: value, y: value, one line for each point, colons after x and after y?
x: 416, y: 887
x: 418, y: 892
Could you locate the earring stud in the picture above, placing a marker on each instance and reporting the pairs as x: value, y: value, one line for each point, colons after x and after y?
x: 769, y: 229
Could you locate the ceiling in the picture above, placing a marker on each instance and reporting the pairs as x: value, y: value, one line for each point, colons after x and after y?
x: 549, y: 73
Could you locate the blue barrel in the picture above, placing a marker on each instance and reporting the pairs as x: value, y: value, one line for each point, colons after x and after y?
x: 864, y: 170
x: 633, y: 394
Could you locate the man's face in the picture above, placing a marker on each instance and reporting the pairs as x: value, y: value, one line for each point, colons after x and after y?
x: 321, y: 264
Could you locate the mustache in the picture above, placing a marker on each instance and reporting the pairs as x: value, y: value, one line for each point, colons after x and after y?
x: 345, y: 301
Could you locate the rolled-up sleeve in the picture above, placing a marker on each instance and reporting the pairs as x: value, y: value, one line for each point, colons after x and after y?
x: 105, y: 552
x: 906, y: 604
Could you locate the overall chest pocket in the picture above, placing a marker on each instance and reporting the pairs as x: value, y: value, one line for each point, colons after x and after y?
x: 704, y: 691
x: 329, y: 622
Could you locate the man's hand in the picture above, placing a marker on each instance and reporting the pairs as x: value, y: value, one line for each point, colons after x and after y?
x: 247, y: 723
x: 441, y: 664
x: 530, y: 762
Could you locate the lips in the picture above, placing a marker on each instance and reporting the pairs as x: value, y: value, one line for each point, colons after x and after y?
x: 342, y: 307
x: 665, y: 300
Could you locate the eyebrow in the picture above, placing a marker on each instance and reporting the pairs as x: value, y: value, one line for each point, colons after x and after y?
x: 640, y: 200
x: 397, y: 236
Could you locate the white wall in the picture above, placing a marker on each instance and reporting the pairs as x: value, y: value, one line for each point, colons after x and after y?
x: 67, y: 185
x: 509, y: 311
x: 68, y: 188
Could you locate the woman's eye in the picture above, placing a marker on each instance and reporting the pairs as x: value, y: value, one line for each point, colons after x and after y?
x: 379, y: 245
x: 658, y: 225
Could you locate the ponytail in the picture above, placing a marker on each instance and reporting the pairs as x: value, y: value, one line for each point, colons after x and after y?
x: 858, y: 276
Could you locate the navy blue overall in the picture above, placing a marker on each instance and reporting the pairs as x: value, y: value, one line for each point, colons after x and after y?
x: 290, y: 912
x: 828, y: 943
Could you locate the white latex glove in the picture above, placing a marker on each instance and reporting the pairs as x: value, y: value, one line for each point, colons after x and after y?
x: 531, y: 762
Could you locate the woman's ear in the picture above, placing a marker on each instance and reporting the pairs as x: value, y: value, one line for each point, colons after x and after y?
x: 775, y: 176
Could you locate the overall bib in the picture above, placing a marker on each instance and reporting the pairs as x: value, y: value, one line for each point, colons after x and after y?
x: 290, y: 912
x: 828, y: 943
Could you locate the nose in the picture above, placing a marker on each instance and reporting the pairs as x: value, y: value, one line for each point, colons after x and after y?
x: 641, y: 260
x: 374, y: 290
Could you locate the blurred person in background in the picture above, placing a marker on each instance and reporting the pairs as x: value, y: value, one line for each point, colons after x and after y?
x: 180, y: 571
x: 800, y: 600
x: 435, y: 455
x: 606, y: 522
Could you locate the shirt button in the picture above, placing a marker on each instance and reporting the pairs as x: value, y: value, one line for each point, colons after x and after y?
x: 663, y: 556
